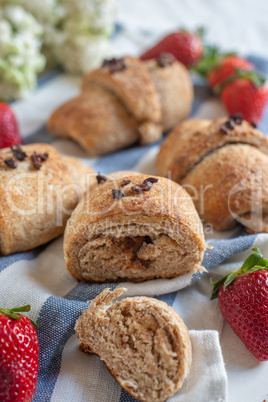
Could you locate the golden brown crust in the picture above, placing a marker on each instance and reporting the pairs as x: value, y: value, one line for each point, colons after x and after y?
x: 34, y: 204
x: 144, y: 327
x: 192, y: 140
x: 175, y: 91
x: 229, y: 183
x: 166, y: 211
x: 133, y: 86
x: 97, y: 120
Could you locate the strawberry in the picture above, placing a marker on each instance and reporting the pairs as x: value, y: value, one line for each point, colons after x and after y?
x: 243, y: 301
x: 184, y: 46
x: 18, y: 356
x: 245, y: 93
x: 9, y: 133
x: 226, y: 68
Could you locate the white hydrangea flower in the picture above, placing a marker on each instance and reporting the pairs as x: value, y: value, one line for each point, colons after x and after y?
x: 20, y: 57
x: 72, y: 32
x: 94, y: 15
x: 83, y: 53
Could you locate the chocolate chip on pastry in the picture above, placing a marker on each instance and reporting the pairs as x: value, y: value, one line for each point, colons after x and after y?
x: 38, y: 159
x: 221, y: 172
x: 18, y: 152
x: 114, y: 65
x: 101, y: 178
x: 125, y: 183
x: 146, y: 235
x: 135, y: 103
x: 143, y: 342
x: 11, y: 163
x: 118, y: 194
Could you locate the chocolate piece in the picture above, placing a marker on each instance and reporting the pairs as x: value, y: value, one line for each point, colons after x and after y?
x: 37, y: 161
x: 44, y: 156
x: 237, y: 118
x: 11, y: 163
x: 118, y: 194
x: 230, y: 124
x: 151, y: 180
x: 18, y: 152
x: 165, y: 59
x: 125, y: 183
x: 142, y: 187
x: 224, y: 130
x: 135, y: 243
x: 253, y: 124
x: 146, y: 185
x: 114, y: 64
x: 101, y: 178
x: 38, y: 158
x: 145, y: 263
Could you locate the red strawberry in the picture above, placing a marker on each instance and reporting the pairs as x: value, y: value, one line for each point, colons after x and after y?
x: 18, y: 356
x: 226, y: 69
x: 243, y: 301
x: 9, y: 133
x: 246, y: 94
x: 184, y: 46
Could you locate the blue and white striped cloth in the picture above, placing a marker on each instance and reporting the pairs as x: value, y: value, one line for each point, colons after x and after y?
x: 222, y: 367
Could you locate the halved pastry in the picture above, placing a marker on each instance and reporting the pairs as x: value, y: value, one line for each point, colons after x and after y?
x: 143, y: 342
x: 223, y: 164
x: 134, y: 228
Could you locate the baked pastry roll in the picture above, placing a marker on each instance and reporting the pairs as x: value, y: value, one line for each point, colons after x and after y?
x: 135, y: 228
x: 131, y: 83
x: 143, y: 342
x: 223, y: 164
x: 123, y: 102
x: 97, y: 120
x: 37, y: 196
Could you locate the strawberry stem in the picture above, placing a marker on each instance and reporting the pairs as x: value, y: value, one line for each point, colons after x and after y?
x: 254, y: 262
x: 257, y: 79
x: 212, y: 57
x: 12, y: 313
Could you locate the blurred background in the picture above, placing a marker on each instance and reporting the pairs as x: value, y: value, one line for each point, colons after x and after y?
x: 78, y: 34
x: 240, y: 25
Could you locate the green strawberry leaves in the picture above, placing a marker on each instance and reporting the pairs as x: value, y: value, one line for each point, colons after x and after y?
x: 254, y: 262
x: 12, y: 313
x: 212, y: 57
x: 257, y: 79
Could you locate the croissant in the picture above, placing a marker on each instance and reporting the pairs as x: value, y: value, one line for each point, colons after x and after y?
x: 125, y: 101
x: 223, y: 164
x: 37, y: 196
x: 134, y: 228
x: 143, y: 342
